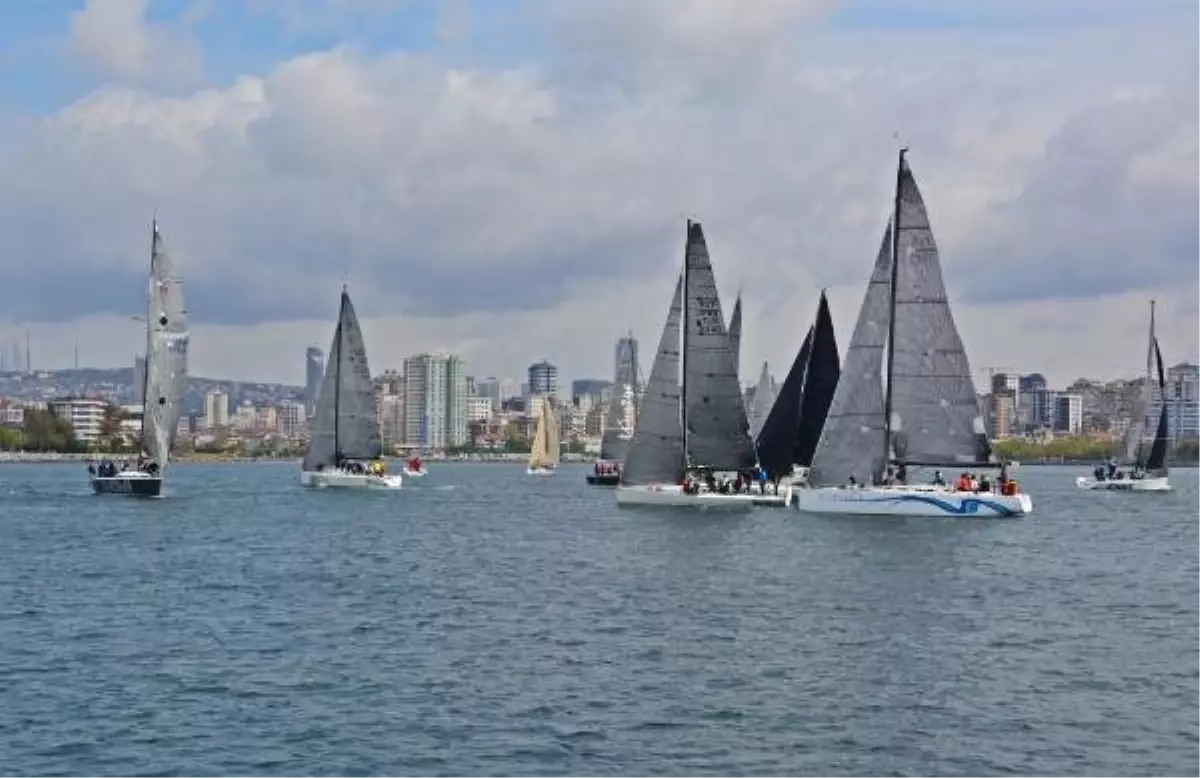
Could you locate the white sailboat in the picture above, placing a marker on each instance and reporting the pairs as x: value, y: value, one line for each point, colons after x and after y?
x: 163, y: 384
x: 691, y: 426
x: 924, y: 413
x: 345, y: 448
x: 544, y: 453
x: 1148, y: 469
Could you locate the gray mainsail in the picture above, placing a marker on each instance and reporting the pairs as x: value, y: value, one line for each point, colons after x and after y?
x: 760, y: 404
x: 620, y: 418
x: 717, y: 434
x: 656, y: 452
x: 850, y: 441
x: 735, y: 334
x: 345, y: 424
x: 935, y: 413
x: 167, y: 341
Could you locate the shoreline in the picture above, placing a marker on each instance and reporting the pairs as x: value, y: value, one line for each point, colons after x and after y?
x: 41, y: 457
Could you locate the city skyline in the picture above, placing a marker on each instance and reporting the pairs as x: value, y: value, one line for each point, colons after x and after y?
x: 1060, y: 179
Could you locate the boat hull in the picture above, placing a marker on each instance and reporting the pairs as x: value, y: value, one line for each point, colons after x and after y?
x: 539, y: 471
x: 128, y: 483
x: 1159, y: 484
x: 673, y: 496
x: 910, y: 501
x: 415, y: 473
x: 604, y: 479
x: 341, y: 479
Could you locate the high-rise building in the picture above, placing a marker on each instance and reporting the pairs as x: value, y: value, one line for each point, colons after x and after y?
x: 1068, y: 413
x: 139, y: 378
x: 1183, y: 407
x: 314, y: 374
x: 291, y: 419
x: 216, y: 409
x: 591, y: 388
x: 85, y: 415
x: 1002, y: 414
x: 391, y: 419
x: 435, y: 401
x: 1005, y: 382
x: 626, y: 361
x: 543, y: 378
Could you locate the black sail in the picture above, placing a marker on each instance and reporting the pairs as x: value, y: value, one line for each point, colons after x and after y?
x: 793, y: 427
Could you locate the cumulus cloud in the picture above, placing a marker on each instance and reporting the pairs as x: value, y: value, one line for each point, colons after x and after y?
x: 527, y: 210
x: 115, y: 37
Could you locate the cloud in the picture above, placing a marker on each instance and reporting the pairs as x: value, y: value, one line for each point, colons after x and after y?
x: 115, y: 37
x: 537, y: 207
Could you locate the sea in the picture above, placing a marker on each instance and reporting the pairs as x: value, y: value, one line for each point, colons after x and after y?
x: 484, y: 622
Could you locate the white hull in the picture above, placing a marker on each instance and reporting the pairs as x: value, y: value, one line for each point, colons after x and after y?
x: 1159, y: 484
x: 673, y: 496
x: 341, y: 479
x: 911, y: 501
x: 415, y: 473
x: 539, y: 471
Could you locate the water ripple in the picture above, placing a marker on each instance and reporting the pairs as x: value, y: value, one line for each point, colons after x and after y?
x: 482, y: 622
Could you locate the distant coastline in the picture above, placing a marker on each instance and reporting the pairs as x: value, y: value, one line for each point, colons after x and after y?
x: 50, y: 457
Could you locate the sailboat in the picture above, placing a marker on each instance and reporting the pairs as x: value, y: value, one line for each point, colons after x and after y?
x: 924, y: 411
x: 761, y: 402
x: 543, y: 455
x: 163, y: 384
x: 345, y: 448
x: 619, y: 419
x: 691, y: 426
x: 789, y: 434
x: 1148, y: 468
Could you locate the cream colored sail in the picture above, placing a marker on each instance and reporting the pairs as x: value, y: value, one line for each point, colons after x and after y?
x: 552, y: 443
x: 544, y: 453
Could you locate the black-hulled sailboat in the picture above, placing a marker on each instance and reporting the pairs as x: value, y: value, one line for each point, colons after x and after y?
x: 163, y: 383
x: 1147, y: 466
x: 692, y: 422
x: 789, y: 435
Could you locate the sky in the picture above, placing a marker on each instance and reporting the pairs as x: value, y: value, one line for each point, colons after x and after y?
x: 510, y: 180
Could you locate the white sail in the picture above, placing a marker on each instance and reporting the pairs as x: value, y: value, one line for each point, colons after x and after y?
x: 167, y: 341
x: 760, y: 405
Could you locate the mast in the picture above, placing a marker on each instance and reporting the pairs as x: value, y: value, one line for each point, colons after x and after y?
x: 891, y: 336
x: 337, y: 378
x: 149, y: 313
x: 683, y: 318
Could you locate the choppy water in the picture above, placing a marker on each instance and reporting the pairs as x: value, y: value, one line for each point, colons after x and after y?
x: 485, y: 622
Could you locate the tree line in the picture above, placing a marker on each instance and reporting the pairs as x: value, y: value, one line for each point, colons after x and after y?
x: 1079, y: 448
